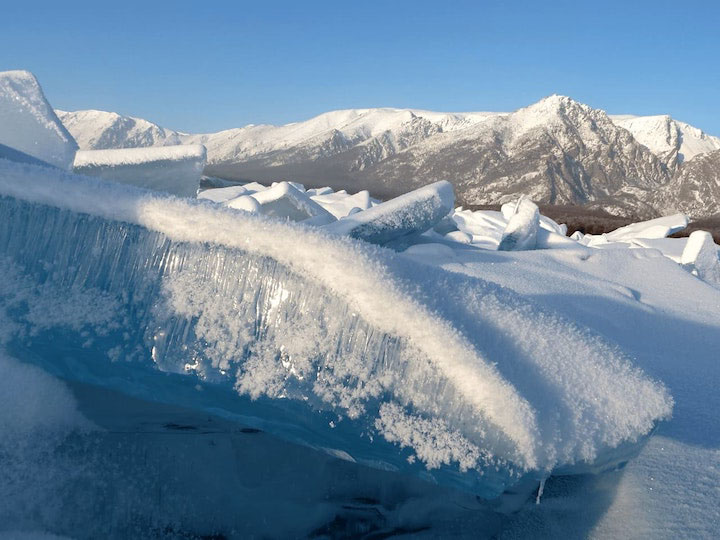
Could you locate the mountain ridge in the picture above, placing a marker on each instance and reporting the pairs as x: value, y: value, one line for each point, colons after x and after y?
x: 557, y: 150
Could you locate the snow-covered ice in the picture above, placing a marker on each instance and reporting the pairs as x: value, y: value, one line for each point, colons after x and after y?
x: 403, y: 216
x: 171, y: 169
x: 284, y: 200
x: 487, y: 396
x: 522, y: 227
x: 29, y: 124
x: 702, y: 258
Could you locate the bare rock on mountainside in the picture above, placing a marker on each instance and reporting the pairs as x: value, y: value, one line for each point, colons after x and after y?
x: 673, y: 142
x: 695, y: 190
x: 557, y: 151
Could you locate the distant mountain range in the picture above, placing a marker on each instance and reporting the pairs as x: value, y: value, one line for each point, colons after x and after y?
x: 557, y: 151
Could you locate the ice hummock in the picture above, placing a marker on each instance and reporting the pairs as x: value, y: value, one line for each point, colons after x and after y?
x: 652, y: 229
x: 296, y: 321
x: 29, y: 124
x: 522, y: 227
x: 409, y: 214
x: 171, y: 169
x: 701, y: 257
x: 286, y: 201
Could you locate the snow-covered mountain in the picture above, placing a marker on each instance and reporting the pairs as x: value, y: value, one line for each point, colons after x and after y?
x: 672, y: 141
x: 694, y: 189
x: 557, y: 150
x: 101, y: 130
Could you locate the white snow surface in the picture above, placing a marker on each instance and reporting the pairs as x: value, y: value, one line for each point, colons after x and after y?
x: 527, y: 366
x: 28, y: 122
x: 668, y: 321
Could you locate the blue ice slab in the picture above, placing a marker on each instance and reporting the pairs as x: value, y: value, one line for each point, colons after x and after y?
x: 409, y: 214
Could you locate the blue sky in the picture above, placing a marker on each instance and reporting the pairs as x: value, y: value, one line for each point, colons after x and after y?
x: 205, y: 66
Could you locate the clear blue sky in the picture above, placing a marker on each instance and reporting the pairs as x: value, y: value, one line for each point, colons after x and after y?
x: 204, y: 66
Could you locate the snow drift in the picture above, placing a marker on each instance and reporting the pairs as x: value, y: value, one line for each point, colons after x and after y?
x: 290, y: 314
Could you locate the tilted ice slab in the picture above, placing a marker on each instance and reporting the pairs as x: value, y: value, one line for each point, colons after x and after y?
x: 655, y: 228
x: 171, y: 169
x: 283, y: 200
x: 702, y: 258
x: 29, y: 124
x: 522, y: 228
x: 324, y: 340
x: 408, y: 214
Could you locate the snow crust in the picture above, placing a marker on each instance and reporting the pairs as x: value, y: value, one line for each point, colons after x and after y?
x: 171, y: 169
x: 28, y: 123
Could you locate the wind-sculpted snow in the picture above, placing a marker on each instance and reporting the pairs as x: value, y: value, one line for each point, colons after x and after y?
x: 351, y: 347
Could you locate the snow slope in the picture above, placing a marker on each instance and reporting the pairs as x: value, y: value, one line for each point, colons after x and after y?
x: 668, y: 322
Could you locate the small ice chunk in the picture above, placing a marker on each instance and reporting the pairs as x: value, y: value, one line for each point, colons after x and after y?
x: 549, y: 224
x: 484, y: 226
x: 341, y: 204
x: 245, y: 203
x: 254, y: 187
x: 221, y: 195
x: 29, y: 124
x: 319, y: 191
x: 408, y: 214
x: 283, y: 200
x: 171, y: 169
x: 654, y: 228
x: 700, y: 257
x: 522, y: 228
